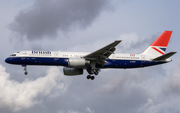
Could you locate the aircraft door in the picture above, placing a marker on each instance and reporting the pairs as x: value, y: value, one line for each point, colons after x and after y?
x: 23, y: 55
x: 114, y: 60
x: 56, y: 56
x: 113, y: 57
x: 142, y: 59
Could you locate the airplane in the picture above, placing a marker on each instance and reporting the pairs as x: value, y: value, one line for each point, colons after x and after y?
x: 75, y: 62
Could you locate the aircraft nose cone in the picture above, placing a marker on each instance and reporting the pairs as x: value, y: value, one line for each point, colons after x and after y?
x: 7, y: 60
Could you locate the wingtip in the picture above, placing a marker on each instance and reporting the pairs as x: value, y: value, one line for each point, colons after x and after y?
x: 118, y: 40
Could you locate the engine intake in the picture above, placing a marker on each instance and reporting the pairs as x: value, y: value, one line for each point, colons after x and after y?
x: 78, y: 62
x: 72, y: 71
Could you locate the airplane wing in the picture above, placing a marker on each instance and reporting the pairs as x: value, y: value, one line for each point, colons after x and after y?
x: 103, y: 53
x: 164, y: 57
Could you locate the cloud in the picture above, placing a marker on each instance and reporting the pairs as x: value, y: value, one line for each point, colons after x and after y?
x: 161, y: 104
x: 172, y: 84
x: 46, y: 18
x: 166, y: 97
x: 16, y: 96
x: 132, y: 42
x: 87, y: 110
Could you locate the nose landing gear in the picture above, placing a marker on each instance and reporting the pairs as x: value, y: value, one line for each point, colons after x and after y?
x: 25, y: 69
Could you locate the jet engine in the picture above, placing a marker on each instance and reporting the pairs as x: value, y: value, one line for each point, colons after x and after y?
x: 72, y: 71
x: 78, y: 62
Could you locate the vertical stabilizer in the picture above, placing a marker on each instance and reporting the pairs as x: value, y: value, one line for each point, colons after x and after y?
x: 158, y: 47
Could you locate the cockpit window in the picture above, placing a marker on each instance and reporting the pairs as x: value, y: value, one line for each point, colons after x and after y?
x: 13, y: 55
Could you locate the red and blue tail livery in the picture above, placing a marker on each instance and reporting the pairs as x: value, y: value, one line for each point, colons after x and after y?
x: 158, y: 47
x: 75, y: 63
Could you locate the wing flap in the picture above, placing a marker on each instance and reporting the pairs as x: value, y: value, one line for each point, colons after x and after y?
x: 164, y: 57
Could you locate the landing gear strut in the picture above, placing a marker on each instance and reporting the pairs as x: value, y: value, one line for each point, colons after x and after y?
x: 25, y: 69
x: 96, y: 72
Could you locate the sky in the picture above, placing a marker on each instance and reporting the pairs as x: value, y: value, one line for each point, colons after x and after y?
x: 85, y: 26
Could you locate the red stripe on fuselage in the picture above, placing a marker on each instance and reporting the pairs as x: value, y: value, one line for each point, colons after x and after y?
x: 158, y: 50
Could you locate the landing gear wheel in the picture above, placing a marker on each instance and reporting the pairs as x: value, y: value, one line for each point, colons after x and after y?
x: 96, y: 72
x: 92, y: 77
x: 89, y: 76
x: 26, y: 73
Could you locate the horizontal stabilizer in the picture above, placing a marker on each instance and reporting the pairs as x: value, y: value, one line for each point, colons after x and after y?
x: 164, y: 57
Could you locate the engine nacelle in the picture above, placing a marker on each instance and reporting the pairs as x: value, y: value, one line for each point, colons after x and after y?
x: 78, y: 62
x: 72, y: 71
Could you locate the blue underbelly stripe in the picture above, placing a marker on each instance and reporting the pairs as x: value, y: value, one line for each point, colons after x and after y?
x: 39, y: 61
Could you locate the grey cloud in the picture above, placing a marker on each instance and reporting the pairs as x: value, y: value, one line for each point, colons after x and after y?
x: 123, y: 92
x: 145, y: 42
x: 112, y: 91
x: 131, y: 42
x: 46, y: 18
x: 172, y: 84
x: 16, y: 96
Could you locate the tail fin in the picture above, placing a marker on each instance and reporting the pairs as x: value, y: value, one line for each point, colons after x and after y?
x: 158, y: 47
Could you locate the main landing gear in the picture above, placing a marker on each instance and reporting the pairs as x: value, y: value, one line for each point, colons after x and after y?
x: 92, y: 71
x: 90, y: 77
x: 25, y: 69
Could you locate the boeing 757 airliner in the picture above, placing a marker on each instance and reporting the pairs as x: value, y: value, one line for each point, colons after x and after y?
x: 75, y: 62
